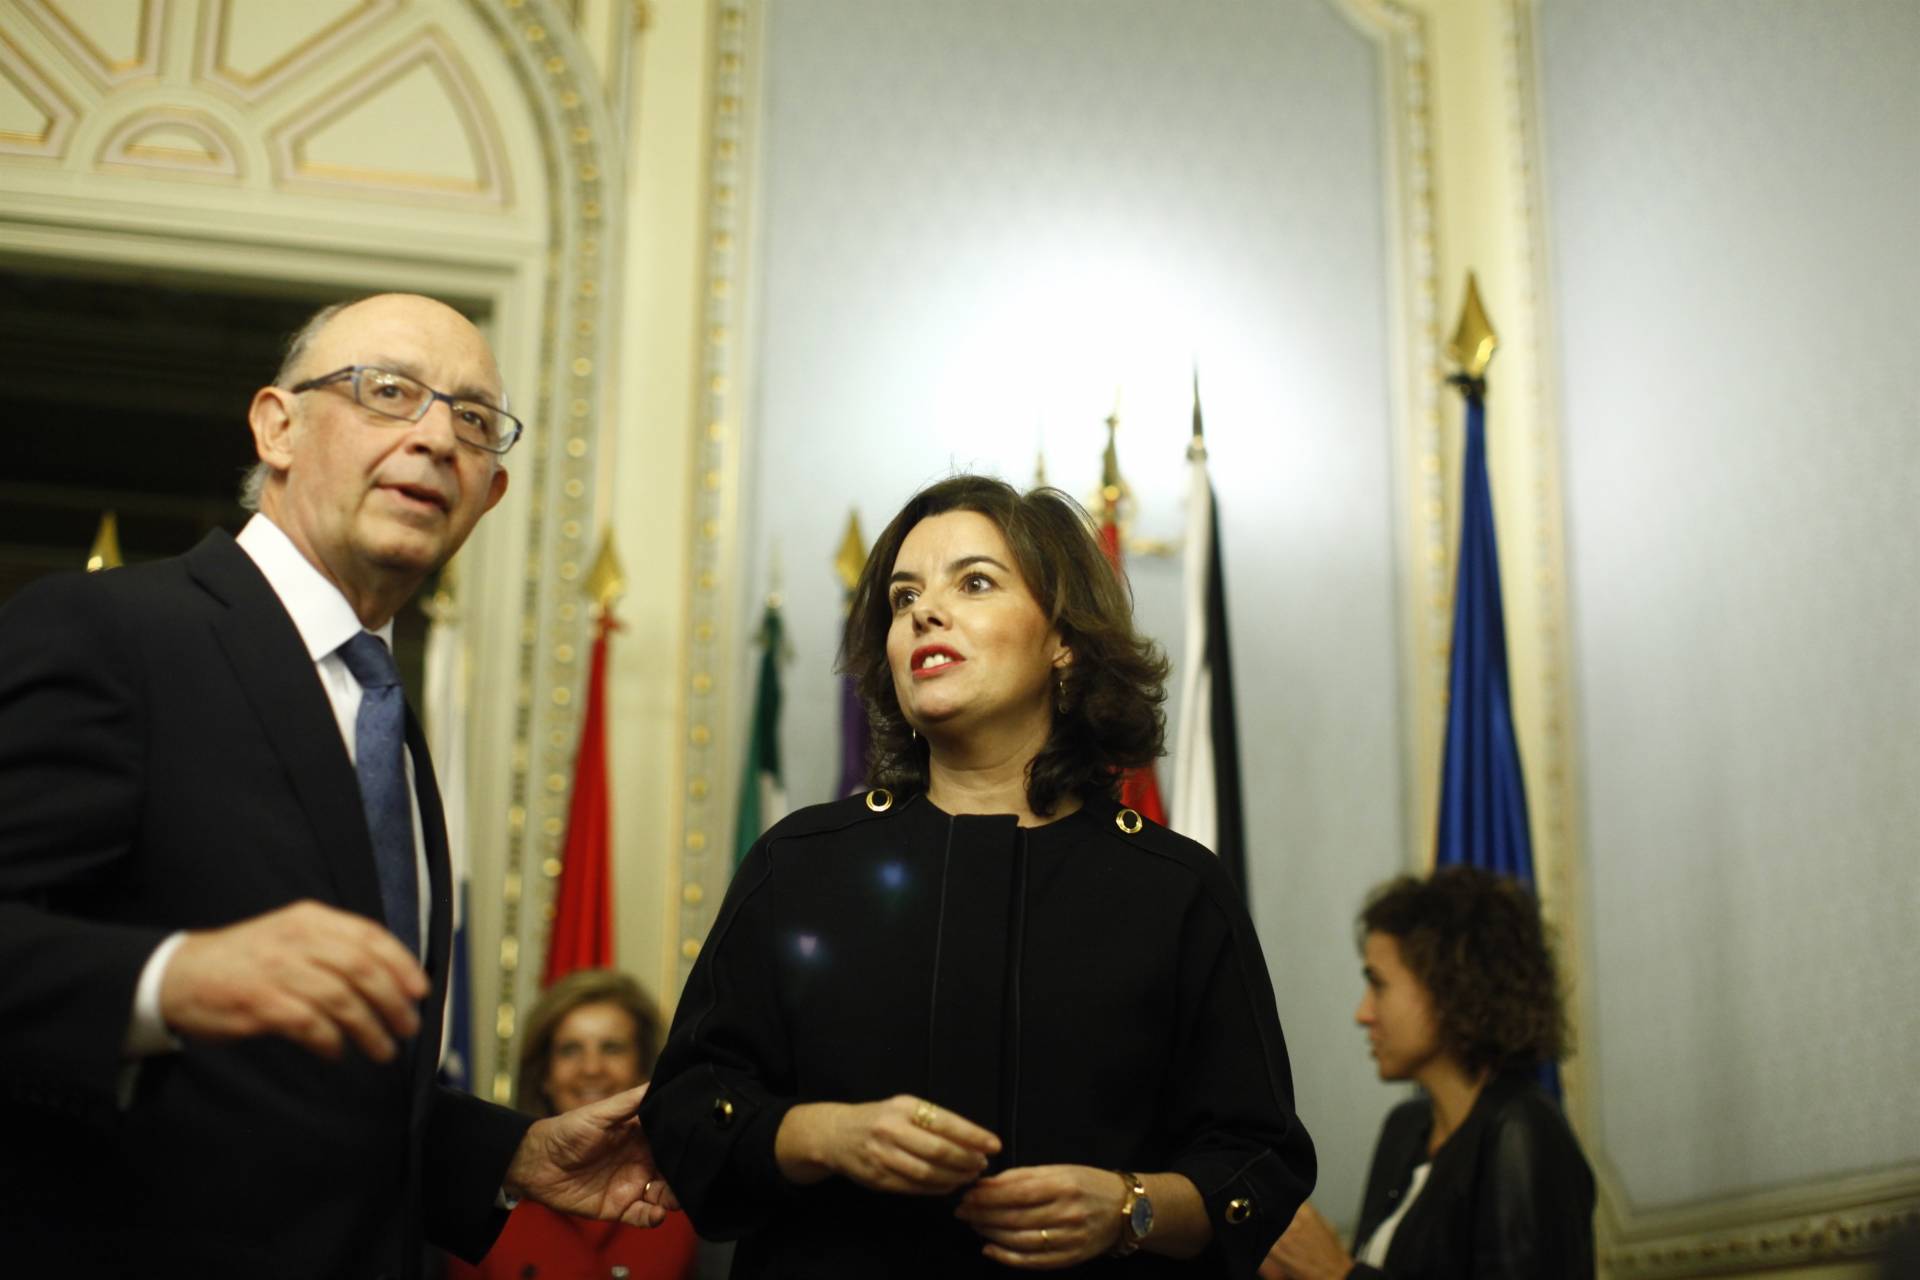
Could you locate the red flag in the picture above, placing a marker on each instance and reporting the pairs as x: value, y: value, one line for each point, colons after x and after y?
x: 582, y: 936
x: 1139, y: 788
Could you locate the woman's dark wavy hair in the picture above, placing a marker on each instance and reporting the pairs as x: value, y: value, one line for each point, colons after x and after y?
x: 1112, y: 721
x: 1476, y: 941
x: 581, y: 987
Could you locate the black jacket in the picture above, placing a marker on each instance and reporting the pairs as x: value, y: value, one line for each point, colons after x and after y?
x: 1093, y: 997
x: 169, y: 760
x: 1509, y: 1196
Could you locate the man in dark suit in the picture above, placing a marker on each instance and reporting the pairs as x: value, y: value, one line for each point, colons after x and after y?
x: 224, y: 902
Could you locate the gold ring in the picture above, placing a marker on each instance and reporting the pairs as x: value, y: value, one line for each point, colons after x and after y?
x: 923, y: 1114
x: 1044, y: 1242
x: 647, y: 1188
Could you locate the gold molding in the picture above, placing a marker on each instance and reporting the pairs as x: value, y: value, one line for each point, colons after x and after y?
x: 100, y: 66
x: 210, y: 60
x: 705, y: 843
x: 61, y: 115
x: 124, y: 149
x: 431, y: 49
x: 583, y: 144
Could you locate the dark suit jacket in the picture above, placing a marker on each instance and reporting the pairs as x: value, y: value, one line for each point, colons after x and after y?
x: 1509, y: 1197
x: 169, y: 760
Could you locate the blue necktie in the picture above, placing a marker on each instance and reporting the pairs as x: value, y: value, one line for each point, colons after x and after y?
x: 379, y: 749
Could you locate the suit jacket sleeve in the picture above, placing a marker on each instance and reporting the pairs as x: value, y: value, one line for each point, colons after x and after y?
x: 1230, y: 1096
x: 73, y: 733
x: 469, y: 1145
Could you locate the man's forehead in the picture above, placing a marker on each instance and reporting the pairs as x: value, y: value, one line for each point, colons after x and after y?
x: 415, y: 334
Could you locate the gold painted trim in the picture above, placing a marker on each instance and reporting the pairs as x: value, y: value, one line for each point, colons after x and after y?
x: 61, y: 115
x: 1419, y: 407
x: 715, y: 471
x: 123, y: 149
x: 430, y: 48
x: 107, y: 71
x: 211, y: 66
x: 585, y: 154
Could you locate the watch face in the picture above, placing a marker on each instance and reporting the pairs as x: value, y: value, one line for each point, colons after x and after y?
x: 1142, y: 1221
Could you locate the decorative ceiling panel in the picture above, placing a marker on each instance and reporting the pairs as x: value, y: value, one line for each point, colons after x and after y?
x: 368, y: 132
x: 252, y: 48
x: 34, y: 119
x: 170, y: 140
x: 114, y: 41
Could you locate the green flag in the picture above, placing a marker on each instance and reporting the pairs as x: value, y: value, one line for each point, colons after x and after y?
x: 763, y: 795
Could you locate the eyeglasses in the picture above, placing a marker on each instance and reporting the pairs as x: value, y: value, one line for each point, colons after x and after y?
x: 395, y: 395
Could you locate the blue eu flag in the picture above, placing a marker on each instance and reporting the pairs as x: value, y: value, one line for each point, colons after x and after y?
x: 1483, y: 797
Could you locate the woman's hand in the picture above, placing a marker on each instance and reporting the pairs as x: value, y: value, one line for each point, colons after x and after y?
x: 1309, y: 1250
x: 905, y: 1145
x: 1041, y: 1217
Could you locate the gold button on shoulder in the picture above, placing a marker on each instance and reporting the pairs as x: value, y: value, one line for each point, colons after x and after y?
x: 1129, y: 821
x: 722, y: 1112
x: 879, y: 799
x: 1239, y: 1210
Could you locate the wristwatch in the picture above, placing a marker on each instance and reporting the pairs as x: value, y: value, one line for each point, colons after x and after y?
x: 1136, y: 1215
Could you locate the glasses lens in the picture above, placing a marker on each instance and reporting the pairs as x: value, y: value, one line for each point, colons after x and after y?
x: 481, y: 424
x: 394, y: 394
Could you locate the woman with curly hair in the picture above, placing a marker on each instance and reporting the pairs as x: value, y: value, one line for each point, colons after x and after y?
x: 982, y: 1016
x: 1480, y: 1177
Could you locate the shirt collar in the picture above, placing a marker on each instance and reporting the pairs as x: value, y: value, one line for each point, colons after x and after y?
x: 320, y: 613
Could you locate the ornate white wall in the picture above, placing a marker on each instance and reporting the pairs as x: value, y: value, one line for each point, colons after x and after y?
x: 1735, y: 227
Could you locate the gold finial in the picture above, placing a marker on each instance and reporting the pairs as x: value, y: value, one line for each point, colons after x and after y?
x: 852, y: 556
x: 1197, y: 445
x: 606, y: 583
x: 105, y: 553
x: 1474, y: 341
x: 1113, y: 489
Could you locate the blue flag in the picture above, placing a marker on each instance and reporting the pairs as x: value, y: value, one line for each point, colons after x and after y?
x: 1483, y: 797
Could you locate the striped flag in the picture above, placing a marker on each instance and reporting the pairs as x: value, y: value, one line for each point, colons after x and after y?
x: 763, y: 793
x: 1206, y: 784
x: 445, y: 701
x: 582, y: 936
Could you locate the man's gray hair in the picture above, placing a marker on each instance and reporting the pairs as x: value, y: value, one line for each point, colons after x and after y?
x: 254, y: 482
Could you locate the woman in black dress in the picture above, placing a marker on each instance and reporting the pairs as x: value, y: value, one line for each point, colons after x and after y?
x: 983, y: 1017
x: 1480, y: 1177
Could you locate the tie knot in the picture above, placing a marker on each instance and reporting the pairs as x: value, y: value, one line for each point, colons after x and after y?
x: 371, y: 663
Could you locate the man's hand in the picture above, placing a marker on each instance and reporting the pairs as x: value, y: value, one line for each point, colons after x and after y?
x: 595, y: 1162
x: 317, y: 975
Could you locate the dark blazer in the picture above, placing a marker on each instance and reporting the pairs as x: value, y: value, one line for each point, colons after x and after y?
x: 1092, y: 993
x: 169, y: 760
x: 1509, y: 1197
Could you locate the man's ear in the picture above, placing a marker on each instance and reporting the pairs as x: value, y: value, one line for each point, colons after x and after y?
x: 271, y: 418
x: 496, y: 489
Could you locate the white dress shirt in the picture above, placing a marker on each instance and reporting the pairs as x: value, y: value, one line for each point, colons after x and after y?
x: 325, y: 621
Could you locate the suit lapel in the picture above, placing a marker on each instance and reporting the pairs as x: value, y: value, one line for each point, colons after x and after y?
x: 277, y: 676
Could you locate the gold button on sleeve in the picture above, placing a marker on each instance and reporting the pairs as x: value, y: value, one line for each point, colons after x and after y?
x: 1239, y: 1210
x: 879, y: 799
x: 722, y: 1112
x: 1129, y: 821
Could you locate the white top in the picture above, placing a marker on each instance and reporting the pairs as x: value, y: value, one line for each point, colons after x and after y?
x: 1375, y: 1252
x: 325, y: 621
